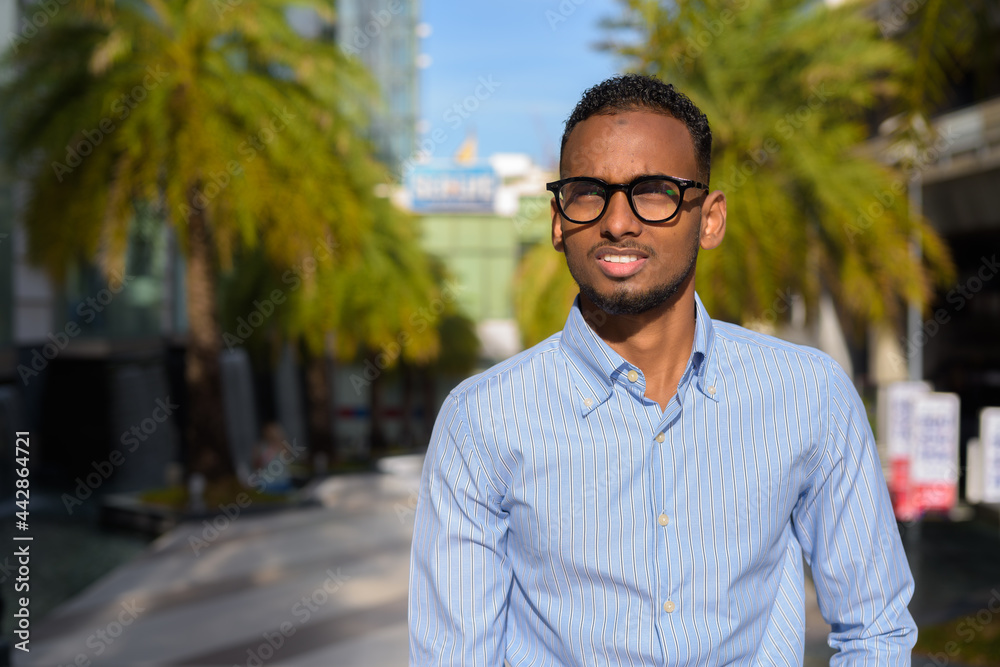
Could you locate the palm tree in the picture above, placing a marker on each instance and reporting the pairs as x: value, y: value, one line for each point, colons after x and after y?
x: 543, y: 293
x: 951, y: 46
x: 948, y: 41
x: 243, y: 133
x: 392, y: 308
x: 376, y: 306
x: 786, y: 85
x: 389, y: 306
x: 459, y: 350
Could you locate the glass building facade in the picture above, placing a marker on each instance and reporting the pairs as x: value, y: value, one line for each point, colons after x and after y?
x: 8, y: 15
x: 383, y: 35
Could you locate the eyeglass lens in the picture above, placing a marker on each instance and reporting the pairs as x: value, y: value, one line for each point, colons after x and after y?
x: 583, y: 201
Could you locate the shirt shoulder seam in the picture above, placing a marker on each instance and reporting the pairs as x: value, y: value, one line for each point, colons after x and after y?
x: 733, y: 333
x: 547, y: 347
x: 462, y: 417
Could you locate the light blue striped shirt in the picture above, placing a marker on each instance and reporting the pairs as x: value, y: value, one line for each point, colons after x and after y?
x: 565, y: 519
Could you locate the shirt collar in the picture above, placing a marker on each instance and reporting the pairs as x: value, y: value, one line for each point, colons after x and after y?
x: 596, y: 365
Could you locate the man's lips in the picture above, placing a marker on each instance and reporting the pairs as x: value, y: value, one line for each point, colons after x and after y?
x: 620, y: 262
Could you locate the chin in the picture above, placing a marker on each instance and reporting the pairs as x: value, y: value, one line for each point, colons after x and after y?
x: 631, y: 302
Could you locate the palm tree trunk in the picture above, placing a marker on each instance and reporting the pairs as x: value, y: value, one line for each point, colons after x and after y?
x: 208, y: 447
x: 377, y: 443
x: 408, y: 436
x: 428, y: 390
x: 319, y: 400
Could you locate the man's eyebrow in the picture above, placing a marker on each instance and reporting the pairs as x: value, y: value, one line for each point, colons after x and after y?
x: 657, y: 172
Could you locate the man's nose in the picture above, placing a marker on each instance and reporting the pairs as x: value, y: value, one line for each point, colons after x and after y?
x: 619, y: 219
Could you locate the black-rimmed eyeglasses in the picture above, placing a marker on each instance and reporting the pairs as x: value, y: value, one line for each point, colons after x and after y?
x: 583, y: 199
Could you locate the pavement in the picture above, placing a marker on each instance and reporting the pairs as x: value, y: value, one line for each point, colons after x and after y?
x: 326, y: 586
x: 320, y: 586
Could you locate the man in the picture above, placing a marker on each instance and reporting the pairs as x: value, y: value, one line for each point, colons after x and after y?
x: 641, y: 488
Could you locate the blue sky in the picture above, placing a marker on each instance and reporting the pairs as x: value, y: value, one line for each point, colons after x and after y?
x: 536, y: 63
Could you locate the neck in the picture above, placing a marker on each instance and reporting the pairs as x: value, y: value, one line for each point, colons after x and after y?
x: 658, y: 341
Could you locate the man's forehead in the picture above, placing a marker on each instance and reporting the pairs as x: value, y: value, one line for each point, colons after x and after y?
x: 593, y: 140
x: 626, y: 116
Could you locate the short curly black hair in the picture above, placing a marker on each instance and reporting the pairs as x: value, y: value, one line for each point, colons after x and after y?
x: 632, y: 92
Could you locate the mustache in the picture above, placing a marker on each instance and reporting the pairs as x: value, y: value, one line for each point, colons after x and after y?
x: 624, y: 245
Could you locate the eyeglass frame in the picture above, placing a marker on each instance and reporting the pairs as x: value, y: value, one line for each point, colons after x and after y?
x: 683, y: 184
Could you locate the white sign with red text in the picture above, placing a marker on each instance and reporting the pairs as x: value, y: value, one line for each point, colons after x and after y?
x: 989, y: 448
x: 898, y: 414
x: 934, y: 456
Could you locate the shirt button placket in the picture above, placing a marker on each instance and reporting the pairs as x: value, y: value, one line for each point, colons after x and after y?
x: 663, y: 519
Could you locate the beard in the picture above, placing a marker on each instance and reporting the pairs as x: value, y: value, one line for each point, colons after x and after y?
x: 622, y: 300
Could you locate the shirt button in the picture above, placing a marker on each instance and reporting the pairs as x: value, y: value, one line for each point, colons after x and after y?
x: 669, y: 606
x: 710, y: 389
x: 660, y: 437
x: 663, y: 519
x: 633, y: 376
x: 587, y: 402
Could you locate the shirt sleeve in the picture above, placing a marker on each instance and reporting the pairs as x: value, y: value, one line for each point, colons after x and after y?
x: 845, y: 525
x: 460, y: 576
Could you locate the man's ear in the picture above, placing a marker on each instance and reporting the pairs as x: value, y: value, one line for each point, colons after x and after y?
x: 713, y: 220
x: 557, y: 234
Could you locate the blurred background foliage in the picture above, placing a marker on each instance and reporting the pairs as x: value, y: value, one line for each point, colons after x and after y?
x: 791, y: 89
x: 248, y: 140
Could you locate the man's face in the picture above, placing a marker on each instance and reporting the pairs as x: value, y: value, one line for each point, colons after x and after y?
x: 659, y: 258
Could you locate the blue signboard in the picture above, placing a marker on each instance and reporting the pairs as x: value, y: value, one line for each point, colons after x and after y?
x: 452, y: 189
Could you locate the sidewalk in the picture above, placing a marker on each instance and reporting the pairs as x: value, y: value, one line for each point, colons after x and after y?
x: 319, y: 587
x: 327, y: 587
